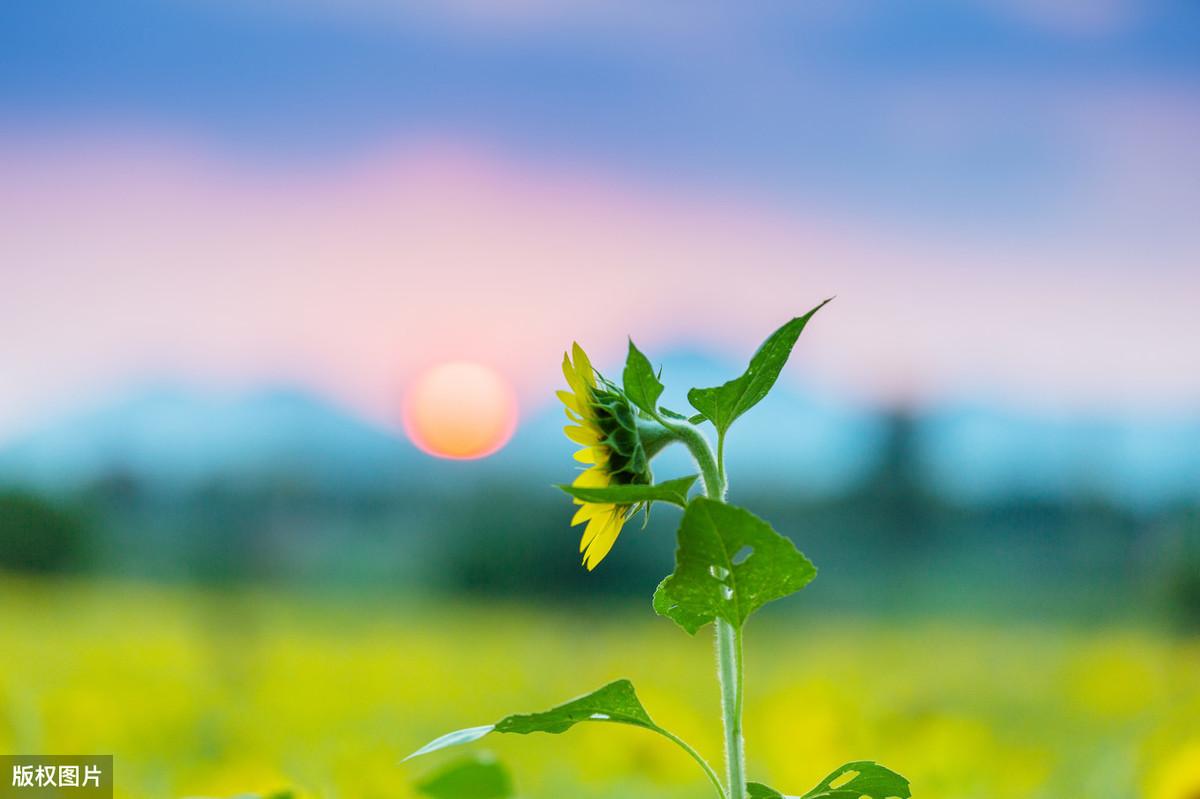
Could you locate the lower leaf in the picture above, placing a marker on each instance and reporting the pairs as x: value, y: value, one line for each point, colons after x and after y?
x: 480, y: 777
x: 862, y: 779
x: 615, y: 703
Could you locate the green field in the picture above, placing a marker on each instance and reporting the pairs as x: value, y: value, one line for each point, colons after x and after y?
x: 212, y: 694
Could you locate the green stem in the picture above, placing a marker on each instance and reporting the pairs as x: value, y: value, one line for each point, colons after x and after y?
x: 729, y: 670
x: 728, y: 637
x: 713, y: 777
x: 721, y: 460
x: 697, y: 444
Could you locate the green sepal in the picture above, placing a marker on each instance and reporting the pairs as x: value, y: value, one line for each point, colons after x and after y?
x: 861, y: 779
x: 641, y: 383
x: 628, y: 461
x: 723, y: 404
x: 474, y: 777
x: 673, y: 491
x: 711, y: 580
x: 680, y: 417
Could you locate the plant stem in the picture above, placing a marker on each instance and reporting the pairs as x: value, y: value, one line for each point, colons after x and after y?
x: 721, y: 461
x: 708, y: 771
x: 697, y: 444
x: 729, y: 671
x: 728, y: 637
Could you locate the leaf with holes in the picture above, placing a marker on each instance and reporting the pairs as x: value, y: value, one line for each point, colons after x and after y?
x: 641, y: 384
x: 713, y: 580
x: 862, y: 779
x: 673, y: 491
x: 478, y: 777
x: 723, y: 404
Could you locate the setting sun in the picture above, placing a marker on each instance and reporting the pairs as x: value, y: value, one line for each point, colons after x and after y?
x: 460, y: 410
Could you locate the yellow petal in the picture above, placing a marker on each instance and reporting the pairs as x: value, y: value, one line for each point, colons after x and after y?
x: 595, y: 456
x: 583, y: 365
x: 573, y: 416
x: 603, y: 542
x: 582, y: 435
x: 570, y: 400
x: 588, y: 511
x: 595, y: 527
x: 594, y: 477
x: 577, y: 385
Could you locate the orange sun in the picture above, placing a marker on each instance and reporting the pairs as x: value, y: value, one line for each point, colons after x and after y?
x: 460, y: 410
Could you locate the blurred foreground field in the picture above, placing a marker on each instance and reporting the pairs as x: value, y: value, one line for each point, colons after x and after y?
x: 215, y: 693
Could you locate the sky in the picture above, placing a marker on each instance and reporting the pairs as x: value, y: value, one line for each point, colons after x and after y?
x: 1001, y: 195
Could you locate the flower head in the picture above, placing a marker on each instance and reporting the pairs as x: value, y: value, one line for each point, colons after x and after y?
x: 605, y: 425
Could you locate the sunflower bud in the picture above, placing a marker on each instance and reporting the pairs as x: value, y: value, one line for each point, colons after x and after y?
x: 617, y: 445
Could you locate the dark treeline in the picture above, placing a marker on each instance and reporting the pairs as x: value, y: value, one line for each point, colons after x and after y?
x: 892, y: 542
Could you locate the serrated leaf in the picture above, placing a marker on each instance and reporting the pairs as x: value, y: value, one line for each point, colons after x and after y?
x: 862, y: 778
x: 670, y: 414
x: 713, y: 580
x: 723, y: 404
x: 641, y: 384
x: 478, y: 777
x: 673, y: 491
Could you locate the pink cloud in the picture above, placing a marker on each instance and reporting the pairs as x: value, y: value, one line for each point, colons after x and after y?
x: 134, y: 258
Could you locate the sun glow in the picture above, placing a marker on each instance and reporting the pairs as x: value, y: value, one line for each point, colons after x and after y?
x: 460, y: 410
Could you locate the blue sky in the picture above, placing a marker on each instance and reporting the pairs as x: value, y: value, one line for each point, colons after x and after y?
x: 1002, y: 194
x: 981, y: 111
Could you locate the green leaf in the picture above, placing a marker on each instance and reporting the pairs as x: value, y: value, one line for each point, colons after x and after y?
x: 674, y: 491
x: 641, y: 384
x: 616, y: 702
x: 477, y: 777
x: 862, y: 778
x: 723, y: 404
x: 756, y: 790
x: 715, y: 578
x: 453, y: 739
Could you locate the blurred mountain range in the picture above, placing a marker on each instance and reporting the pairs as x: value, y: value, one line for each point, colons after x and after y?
x: 804, y: 438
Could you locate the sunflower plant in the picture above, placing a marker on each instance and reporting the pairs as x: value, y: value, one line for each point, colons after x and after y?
x: 728, y: 562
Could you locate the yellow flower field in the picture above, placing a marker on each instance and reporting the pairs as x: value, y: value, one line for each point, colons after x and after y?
x: 204, y: 693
